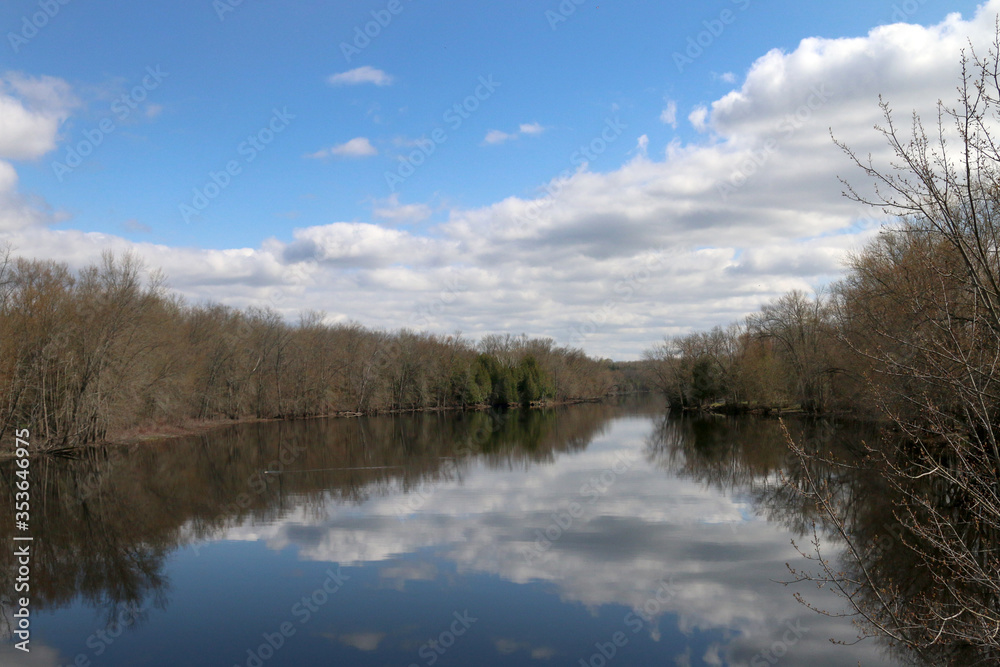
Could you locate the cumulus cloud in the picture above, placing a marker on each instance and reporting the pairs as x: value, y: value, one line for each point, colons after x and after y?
x: 359, y: 75
x: 688, y: 235
x: 357, y: 147
x: 31, y: 112
x: 351, y: 245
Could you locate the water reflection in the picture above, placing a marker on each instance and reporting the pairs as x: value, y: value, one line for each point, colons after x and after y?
x: 566, y: 534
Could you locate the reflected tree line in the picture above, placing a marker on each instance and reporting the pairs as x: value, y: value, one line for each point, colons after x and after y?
x: 883, y: 568
x: 105, y: 521
x: 750, y: 456
x: 911, y: 334
x: 108, y: 351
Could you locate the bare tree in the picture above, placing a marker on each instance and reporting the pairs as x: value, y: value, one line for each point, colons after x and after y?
x: 801, y: 328
x: 922, y: 306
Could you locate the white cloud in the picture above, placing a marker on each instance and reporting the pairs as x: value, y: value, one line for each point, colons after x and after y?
x: 498, y: 137
x: 359, y: 75
x: 356, y: 244
x: 642, y: 145
x: 17, y: 212
x: 697, y: 235
x: 31, y: 112
x: 357, y: 147
x: 669, y: 114
x: 393, y: 211
x: 698, y: 118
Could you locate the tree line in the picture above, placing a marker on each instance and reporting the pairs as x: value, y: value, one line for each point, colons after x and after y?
x: 789, y: 354
x: 911, y: 332
x: 88, y: 356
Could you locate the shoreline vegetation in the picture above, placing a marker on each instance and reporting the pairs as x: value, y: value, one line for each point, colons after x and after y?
x: 909, y: 335
x: 798, y: 354
x: 160, y: 432
x: 108, y: 355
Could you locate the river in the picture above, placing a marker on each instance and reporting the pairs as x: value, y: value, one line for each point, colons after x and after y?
x: 597, y: 534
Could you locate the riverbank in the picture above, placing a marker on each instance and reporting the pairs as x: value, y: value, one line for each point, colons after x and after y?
x: 778, y: 411
x: 168, y: 431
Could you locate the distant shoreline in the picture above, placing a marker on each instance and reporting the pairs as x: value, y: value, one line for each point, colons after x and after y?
x: 164, y: 432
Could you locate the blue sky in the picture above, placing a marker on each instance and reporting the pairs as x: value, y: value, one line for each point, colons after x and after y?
x: 164, y: 95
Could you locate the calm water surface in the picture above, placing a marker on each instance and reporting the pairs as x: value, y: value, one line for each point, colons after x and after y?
x: 587, y: 535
